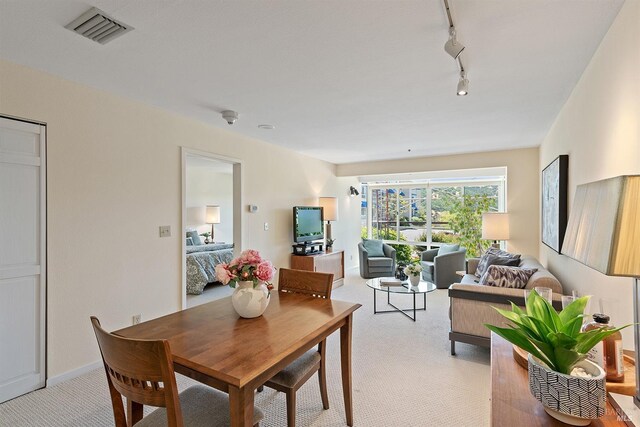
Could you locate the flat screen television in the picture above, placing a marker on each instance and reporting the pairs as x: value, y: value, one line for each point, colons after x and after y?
x: 307, y: 224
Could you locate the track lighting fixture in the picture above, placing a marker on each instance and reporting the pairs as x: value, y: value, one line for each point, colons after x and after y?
x: 353, y: 192
x: 453, y: 47
x: 463, y: 84
x: 230, y: 116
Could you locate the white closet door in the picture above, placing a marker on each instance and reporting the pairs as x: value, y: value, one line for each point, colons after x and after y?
x: 22, y: 257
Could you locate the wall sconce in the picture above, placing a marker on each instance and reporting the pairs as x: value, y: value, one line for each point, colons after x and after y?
x: 353, y: 192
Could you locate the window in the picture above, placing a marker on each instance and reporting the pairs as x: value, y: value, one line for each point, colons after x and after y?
x: 420, y: 212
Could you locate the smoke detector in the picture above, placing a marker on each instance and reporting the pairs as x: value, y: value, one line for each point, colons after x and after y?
x: 230, y: 116
x: 96, y: 25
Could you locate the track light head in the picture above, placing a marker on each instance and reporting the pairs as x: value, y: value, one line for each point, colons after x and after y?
x: 230, y: 116
x: 453, y: 47
x: 463, y: 85
x: 353, y: 192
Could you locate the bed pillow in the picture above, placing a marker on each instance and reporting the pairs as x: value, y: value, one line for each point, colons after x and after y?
x: 507, y: 277
x: 496, y: 257
x: 373, y: 247
x: 194, y: 237
x: 189, y: 241
x: 447, y: 249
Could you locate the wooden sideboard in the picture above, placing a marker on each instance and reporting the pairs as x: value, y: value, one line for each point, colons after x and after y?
x: 512, y: 404
x: 325, y: 262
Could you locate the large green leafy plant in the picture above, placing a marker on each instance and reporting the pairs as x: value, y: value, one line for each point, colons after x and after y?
x: 466, y: 222
x: 554, y: 338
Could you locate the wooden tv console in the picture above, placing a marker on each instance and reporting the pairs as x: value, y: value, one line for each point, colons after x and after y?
x: 324, y: 262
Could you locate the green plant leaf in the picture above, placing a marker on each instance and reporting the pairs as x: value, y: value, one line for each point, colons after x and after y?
x: 553, y: 315
x: 521, y: 320
x: 517, y: 309
x: 576, y: 308
x: 516, y: 337
x: 541, y: 327
x: 535, y: 308
x: 587, y: 340
x: 565, y: 359
x: 560, y: 339
x: 573, y: 326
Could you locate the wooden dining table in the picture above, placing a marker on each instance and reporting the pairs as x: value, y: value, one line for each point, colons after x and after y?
x: 213, y: 345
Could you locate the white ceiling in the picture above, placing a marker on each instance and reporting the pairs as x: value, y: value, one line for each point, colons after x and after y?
x: 342, y: 80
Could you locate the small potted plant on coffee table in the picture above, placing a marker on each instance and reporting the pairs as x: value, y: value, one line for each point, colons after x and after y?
x: 571, y: 388
x: 413, y: 271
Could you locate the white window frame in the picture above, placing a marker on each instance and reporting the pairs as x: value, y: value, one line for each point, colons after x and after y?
x: 429, y: 185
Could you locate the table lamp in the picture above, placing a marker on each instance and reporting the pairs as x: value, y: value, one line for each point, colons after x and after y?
x: 603, y: 233
x: 329, y: 213
x: 213, y: 217
x: 495, y: 226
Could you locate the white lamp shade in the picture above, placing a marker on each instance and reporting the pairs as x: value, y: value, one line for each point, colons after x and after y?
x: 495, y: 226
x: 195, y: 216
x: 213, y: 214
x: 330, y: 208
x: 603, y: 231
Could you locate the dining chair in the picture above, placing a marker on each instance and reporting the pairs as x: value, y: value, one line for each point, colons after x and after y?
x: 142, y: 371
x: 291, y: 378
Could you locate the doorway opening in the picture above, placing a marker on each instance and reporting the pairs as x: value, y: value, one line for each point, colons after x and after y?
x: 211, y: 222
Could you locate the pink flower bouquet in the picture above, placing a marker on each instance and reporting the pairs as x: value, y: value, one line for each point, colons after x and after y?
x: 249, y: 266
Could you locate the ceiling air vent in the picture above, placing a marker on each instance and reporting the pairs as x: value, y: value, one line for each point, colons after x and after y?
x: 96, y: 25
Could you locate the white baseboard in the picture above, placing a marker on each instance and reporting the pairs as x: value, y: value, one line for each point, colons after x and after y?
x: 73, y: 373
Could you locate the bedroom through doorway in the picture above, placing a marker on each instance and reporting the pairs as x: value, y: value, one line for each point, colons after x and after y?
x: 211, y: 222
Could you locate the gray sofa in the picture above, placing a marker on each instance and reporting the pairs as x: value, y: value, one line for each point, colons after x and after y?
x: 471, y: 304
x: 371, y: 267
x: 441, y: 269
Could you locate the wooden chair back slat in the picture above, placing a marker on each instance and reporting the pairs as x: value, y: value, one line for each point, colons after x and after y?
x: 140, y: 370
x: 305, y: 282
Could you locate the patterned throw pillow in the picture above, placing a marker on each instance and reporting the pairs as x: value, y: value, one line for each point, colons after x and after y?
x: 507, y: 277
x: 498, y: 257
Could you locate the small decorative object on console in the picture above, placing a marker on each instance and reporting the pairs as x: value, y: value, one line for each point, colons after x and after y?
x: 329, y: 245
x: 253, y: 276
x: 413, y: 271
x: 557, y: 346
x: 206, y: 237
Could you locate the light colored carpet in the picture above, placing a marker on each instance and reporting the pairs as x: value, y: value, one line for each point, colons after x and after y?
x: 403, y: 375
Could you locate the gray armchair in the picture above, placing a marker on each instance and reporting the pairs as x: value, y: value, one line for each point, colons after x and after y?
x: 441, y: 269
x: 371, y: 267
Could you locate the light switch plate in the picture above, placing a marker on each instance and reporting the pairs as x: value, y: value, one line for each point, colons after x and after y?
x: 266, y: 226
x: 165, y: 231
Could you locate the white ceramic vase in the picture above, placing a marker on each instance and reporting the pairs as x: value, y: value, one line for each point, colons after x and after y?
x: 250, y: 302
x: 414, y: 279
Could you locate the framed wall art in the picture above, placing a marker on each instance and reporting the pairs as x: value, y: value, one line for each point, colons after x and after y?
x: 554, y: 202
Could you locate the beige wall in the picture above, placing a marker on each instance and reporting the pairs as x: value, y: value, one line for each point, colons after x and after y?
x: 522, y: 185
x: 599, y: 128
x: 205, y: 187
x: 114, y: 177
